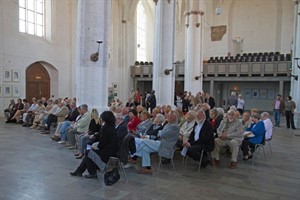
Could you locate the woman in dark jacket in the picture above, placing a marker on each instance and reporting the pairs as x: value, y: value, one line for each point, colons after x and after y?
x: 107, y: 147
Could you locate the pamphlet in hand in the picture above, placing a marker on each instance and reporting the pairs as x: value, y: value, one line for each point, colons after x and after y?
x: 248, y: 134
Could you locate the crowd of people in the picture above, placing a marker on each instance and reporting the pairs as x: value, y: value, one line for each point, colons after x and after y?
x: 134, y: 131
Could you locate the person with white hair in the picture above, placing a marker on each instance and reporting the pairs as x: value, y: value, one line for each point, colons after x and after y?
x: 188, y: 126
x: 265, y: 117
x: 241, y: 104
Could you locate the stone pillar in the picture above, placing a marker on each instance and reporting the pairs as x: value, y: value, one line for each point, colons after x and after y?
x: 211, y: 89
x: 163, y: 55
x: 280, y: 88
x: 295, y: 85
x: 194, y: 19
x: 92, y: 77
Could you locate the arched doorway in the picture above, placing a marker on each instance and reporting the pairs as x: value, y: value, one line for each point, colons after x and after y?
x: 37, y: 82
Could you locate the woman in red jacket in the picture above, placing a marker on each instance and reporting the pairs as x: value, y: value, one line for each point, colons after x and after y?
x: 133, y: 121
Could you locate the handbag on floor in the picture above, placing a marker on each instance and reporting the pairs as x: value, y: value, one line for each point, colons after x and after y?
x: 111, y: 177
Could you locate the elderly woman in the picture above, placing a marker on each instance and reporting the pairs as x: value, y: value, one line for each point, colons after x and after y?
x: 253, y: 135
x: 187, y: 127
x: 134, y: 121
x: 107, y: 147
x: 265, y: 117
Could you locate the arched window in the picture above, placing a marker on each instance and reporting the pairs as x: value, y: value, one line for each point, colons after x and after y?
x: 32, y: 17
x: 141, y: 21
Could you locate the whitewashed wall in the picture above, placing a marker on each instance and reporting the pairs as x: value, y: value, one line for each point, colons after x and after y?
x: 18, y: 51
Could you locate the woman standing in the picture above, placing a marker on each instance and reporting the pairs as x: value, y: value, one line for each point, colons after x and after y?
x: 290, y: 107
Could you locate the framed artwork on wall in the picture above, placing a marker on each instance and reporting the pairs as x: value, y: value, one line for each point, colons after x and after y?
x: 16, y: 91
x: 247, y: 94
x: 7, y: 75
x: 271, y: 94
x: 7, y: 91
x: 255, y: 94
x: 16, y: 76
x: 263, y: 94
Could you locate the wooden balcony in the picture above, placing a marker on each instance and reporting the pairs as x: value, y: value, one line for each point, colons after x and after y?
x: 223, y: 70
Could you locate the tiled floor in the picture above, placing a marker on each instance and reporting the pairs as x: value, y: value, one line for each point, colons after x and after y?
x: 34, y: 167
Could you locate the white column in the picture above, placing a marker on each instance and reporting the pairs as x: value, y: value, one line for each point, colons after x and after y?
x: 92, y: 77
x: 194, y: 46
x: 295, y: 85
x: 164, y: 34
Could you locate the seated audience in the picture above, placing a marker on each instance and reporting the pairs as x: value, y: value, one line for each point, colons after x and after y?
x: 18, y: 106
x: 80, y: 127
x: 30, y: 115
x: 145, y: 124
x: 265, y: 117
x: 16, y: 117
x: 85, y: 138
x: 187, y: 127
x: 8, y: 111
x: 164, y: 145
x: 230, y: 133
x: 201, y: 138
x: 246, y: 120
x: 107, y: 147
x: 214, y: 119
x: 134, y: 121
x: 254, y: 135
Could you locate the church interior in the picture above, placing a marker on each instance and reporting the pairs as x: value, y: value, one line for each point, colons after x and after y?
x: 92, y: 49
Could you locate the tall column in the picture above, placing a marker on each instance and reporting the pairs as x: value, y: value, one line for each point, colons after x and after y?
x: 280, y: 87
x: 211, y: 88
x: 295, y: 85
x: 194, y: 46
x: 92, y: 77
x: 163, y: 55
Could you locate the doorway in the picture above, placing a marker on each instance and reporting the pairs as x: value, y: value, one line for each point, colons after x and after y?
x: 37, y: 82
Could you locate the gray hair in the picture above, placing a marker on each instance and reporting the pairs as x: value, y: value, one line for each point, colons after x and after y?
x: 119, y: 116
x: 161, y: 118
x: 220, y: 111
x: 265, y: 114
x: 255, y: 115
x: 84, y: 107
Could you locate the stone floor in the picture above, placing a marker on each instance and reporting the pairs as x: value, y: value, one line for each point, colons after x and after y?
x: 34, y: 167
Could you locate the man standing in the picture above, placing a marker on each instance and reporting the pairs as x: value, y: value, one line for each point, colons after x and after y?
x: 278, y: 107
x: 232, y: 100
x: 290, y: 107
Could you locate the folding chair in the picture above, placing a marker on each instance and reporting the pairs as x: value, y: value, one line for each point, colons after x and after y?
x: 172, y: 161
x: 185, y: 159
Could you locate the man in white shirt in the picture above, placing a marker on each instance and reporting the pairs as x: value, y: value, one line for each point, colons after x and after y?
x: 265, y: 117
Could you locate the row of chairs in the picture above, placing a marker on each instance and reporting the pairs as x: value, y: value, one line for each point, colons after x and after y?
x: 252, y: 57
x: 258, y: 148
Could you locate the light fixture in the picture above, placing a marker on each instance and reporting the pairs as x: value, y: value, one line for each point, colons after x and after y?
x: 197, y: 78
x: 95, y: 56
x: 297, y: 62
x: 168, y: 71
x: 294, y: 76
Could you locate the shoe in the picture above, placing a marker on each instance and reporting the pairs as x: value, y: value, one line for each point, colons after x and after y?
x: 80, y: 156
x: 61, y: 142
x: 91, y: 176
x: 145, y: 171
x: 45, y: 132
x: 75, y: 174
x: 76, y: 154
x: 67, y: 145
x: 233, y: 165
x: 7, y: 121
x: 33, y: 126
x: 132, y: 161
x: 71, y: 147
x: 217, y: 162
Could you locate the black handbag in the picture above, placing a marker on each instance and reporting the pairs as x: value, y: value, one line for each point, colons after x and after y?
x: 111, y: 177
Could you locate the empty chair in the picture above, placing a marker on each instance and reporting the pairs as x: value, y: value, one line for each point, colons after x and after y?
x: 288, y: 57
x: 281, y: 57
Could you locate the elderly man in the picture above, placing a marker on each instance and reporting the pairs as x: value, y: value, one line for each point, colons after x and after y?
x: 265, y: 117
x: 230, y: 133
x: 187, y: 127
x: 201, y: 138
x: 164, y: 145
x: 79, y: 127
x: 58, y: 116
